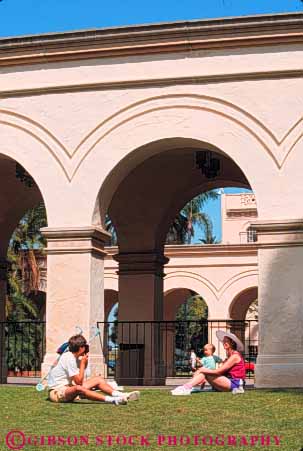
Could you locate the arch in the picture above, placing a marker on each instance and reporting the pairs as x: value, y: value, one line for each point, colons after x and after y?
x: 138, y: 137
x: 15, y: 199
x: 29, y: 127
x: 292, y: 173
x: 30, y: 145
x: 240, y: 304
x: 111, y: 298
x: 239, y: 283
x: 192, y: 282
x: 172, y: 300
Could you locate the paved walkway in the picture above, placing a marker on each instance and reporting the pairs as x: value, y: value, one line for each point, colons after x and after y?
x: 32, y: 381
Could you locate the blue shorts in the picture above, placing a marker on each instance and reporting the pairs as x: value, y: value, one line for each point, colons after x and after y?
x: 236, y: 383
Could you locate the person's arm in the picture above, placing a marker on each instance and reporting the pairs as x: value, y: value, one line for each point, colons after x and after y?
x: 218, y: 360
x: 79, y: 378
x: 227, y: 365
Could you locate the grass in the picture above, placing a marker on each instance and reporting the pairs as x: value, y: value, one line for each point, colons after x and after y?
x: 257, y: 413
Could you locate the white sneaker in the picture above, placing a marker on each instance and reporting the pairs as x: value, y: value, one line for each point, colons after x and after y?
x: 115, y: 386
x: 132, y: 396
x: 238, y: 391
x: 181, y: 391
x: 119, y: 401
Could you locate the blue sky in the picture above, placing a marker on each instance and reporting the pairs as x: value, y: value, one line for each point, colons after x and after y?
x: 19, y: 17
x: 213, y: 209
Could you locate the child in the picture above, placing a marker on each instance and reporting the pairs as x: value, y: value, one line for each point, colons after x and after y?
x: 66, y: 379
x: 208, y: 361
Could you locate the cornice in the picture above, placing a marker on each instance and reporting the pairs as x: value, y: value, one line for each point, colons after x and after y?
x: 211, y: 250
x: 283, y: 233
x: 153, y: 39
x: 205, y: 250
x: 75, y: 240
x: 278, y: 226
x: 152, y: 82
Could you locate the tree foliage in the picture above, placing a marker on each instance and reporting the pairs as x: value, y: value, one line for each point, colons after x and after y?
x: 25, y: 240
x: 192, y: 328
x: 182, y: 229
x: 194, y: 309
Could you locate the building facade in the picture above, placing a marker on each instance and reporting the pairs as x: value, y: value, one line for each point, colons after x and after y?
x: 114, y: 121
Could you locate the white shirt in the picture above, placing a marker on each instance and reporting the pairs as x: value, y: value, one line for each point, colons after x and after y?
x: 66, y: 368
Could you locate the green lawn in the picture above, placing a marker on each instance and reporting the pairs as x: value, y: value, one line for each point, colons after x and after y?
x: 256, y: 413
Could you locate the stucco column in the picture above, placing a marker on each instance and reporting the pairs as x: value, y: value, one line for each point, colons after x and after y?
x: 75, y: 289
x: 3, y: 291
x: 280, y: 358
x: 141, y: 299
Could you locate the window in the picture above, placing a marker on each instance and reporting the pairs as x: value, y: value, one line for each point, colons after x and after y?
x: 251, y: 235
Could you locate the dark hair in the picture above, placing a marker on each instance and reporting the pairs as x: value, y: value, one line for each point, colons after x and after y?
x: 233, y: 344
x: 76, y: 342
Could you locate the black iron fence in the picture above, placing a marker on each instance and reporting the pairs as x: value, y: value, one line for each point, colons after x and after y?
x: 22, y: 347
x: 148, y: 351
x: 141, y: 352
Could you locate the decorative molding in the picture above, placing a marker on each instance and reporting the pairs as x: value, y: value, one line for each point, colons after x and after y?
x: 152, y: 39
x: 155, y: 82
x: 199, y: 250
x: 279, y: 233
x: 40, y: 134
x: 75, y: 240
x: 217, y: 291
x: 203, y: 281
x: 276, y: 226
x: 70, y: 160
x: 211, y: 250
x: 141, y: 263
x: 272, y: 144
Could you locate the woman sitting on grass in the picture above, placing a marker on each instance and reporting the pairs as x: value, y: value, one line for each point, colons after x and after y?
x: 231, y: 374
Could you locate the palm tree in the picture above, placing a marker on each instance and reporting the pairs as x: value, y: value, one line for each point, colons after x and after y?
x: 27, y: 239
x: 209, y: 238
x: 182, y: 229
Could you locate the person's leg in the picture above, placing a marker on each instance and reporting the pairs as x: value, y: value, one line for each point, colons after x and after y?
x: 72, y: 392
x: 99, y: 383
x: 198, y: 379
x: 220, y: 383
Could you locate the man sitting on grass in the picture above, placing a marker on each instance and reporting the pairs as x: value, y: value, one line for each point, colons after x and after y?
x: 66, y: 380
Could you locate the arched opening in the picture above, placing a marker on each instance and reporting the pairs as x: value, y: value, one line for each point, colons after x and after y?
x: 191, y: 330
x: 22, y: 213
x: 142, y: 207
x: 240, y: 304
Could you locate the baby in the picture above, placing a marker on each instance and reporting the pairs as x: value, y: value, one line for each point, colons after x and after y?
x: 208, y: 361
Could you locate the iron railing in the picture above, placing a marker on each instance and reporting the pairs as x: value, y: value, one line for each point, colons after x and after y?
x: 22, y: 347
x: 150, y: 350
x: 138, y: 352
